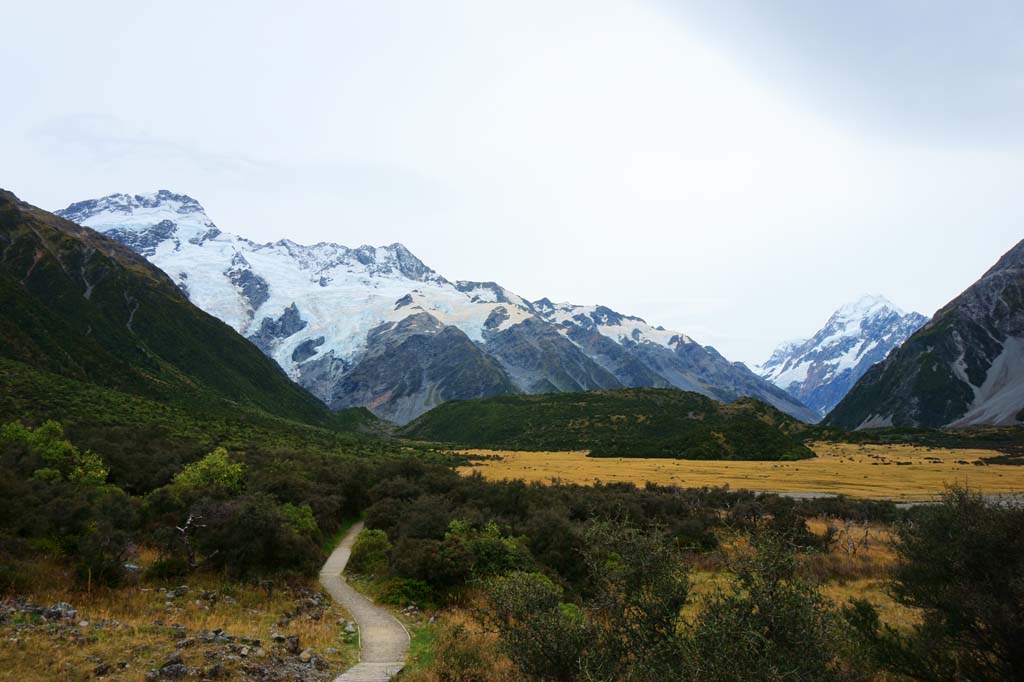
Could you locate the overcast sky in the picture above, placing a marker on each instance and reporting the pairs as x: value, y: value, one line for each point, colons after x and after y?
x: 732, y: 169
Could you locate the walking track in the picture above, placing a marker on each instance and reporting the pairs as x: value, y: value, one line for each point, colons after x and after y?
x: 383, y: 641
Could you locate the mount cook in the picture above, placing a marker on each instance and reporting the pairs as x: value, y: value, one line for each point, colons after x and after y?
x: 821, y: 370
x: 375, y: 327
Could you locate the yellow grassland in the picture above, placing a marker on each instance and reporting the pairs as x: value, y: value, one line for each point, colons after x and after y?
x: 895, y: 472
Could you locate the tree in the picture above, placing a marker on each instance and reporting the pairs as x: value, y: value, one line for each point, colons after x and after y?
x: 215, y: 475
x: 52, y: 456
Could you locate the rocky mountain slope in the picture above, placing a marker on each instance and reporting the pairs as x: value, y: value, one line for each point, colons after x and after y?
x: 375, y: 326
x: 820, y: 370
x: 78, y: 304
x: 965, y: 367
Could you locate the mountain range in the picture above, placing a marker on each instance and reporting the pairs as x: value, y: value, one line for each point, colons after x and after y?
x: 819, y: 371
x: 376, y: 327
x: 965, y: 367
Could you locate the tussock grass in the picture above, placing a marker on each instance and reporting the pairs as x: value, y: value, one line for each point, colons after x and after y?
x: 891, y: 472
x: 132, y: 625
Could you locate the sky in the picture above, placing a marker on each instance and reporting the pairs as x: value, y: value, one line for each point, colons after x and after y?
x: 734, y: 170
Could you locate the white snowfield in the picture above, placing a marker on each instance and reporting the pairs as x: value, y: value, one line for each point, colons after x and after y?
x: 340, y: 293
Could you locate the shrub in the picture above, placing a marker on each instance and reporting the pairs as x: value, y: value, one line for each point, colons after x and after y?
x: 370, y: 553
x: 961, y: 563
x: 215, y: 475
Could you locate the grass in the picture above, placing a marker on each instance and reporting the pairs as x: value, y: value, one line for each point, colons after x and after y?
x: 131, y: 625
x: 874, y: 471
x: 421, y: 647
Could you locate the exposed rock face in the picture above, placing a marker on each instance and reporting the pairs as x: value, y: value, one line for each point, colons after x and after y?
x: 965, y: 367
x: 821, y: 370
x: 272, y: 331
x: 416, y: 364
x: 368, y: 326
x: 540, y: 360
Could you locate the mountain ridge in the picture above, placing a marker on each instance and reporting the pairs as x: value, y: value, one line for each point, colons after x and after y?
x: 964, y: 367
x: 314, y: 309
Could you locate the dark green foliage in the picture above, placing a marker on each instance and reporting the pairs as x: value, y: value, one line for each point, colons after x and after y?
x: 962, y: 564
x: 637, y: 422
x: 145, y: 441
x: 253, y: 536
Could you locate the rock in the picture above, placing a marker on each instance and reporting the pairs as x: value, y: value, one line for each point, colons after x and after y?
x: 306, y: 655
x: 244, y: 651
x: 185, y: 643
x: 61, y: 610
x: 260, y: 653
x: 292, y: 645
x: 172, y: 659
x: 277, y: 639
x: 214, y: 671
x: 350, y: 628
x: 102, y: 670
x: 174, y: 671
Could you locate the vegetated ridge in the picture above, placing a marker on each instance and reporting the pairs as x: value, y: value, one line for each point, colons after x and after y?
x: 636, y: 422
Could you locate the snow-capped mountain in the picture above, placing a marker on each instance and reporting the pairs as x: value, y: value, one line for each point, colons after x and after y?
x: 375, y: 326
x: 965, y: 367
x: 819, y: 371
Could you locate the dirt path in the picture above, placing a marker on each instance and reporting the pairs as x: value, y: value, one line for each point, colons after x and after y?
x: 383, y: 641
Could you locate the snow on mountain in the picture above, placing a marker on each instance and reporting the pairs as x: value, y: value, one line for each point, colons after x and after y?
x: 819, y: 371
x: 375, y: 326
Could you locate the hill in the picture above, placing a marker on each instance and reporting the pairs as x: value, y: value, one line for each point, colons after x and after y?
x: 965, y: 367
x: 636, y: 422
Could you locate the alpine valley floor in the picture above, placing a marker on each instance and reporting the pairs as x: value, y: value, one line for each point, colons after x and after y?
x: 902, y: 473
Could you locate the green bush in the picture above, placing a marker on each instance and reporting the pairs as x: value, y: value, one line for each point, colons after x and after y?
x: 370, y: 553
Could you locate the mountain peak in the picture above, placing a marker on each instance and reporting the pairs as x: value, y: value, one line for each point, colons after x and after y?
x: 867, y: 305
x: 820, y: 370
x: 110, y: 207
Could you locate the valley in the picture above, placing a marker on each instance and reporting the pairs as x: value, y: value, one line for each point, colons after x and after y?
x: 898, y: 473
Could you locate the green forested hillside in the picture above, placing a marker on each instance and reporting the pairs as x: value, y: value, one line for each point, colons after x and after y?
x: 638, y: 422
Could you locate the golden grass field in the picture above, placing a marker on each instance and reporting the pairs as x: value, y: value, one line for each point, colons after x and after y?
x: 892, y: 472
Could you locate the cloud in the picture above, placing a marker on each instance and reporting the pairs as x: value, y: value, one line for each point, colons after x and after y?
x: 918, y: 70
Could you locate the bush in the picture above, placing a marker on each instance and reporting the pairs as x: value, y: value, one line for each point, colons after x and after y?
x: 770, y: 627
x: 961, y: 563
x: 370, y: 553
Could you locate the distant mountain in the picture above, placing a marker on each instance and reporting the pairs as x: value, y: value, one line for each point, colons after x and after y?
x: 965, y: 367
x: 375, y: 327
x: 80, y: 305
x: 819, y: 371
x: 633, y: 422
